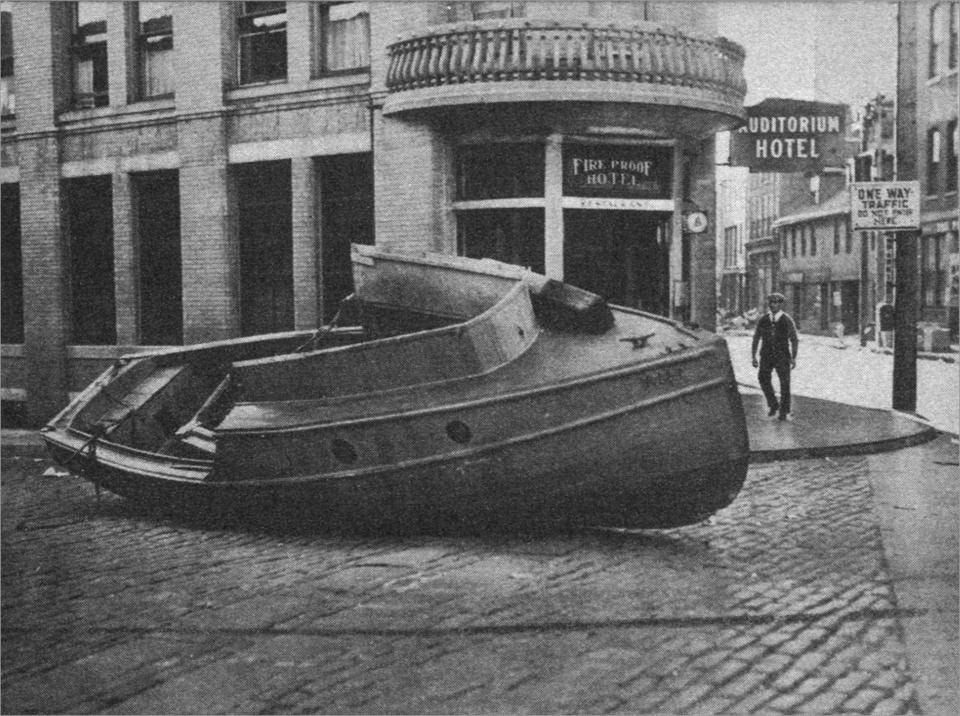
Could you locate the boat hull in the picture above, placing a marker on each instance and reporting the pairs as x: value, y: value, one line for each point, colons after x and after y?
x: 616, y: 467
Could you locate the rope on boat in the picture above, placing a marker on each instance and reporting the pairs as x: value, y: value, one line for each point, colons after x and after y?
x: 314, y: 339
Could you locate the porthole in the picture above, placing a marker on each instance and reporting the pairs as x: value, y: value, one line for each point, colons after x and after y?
x: 458, y: 432
x: 343, y: 451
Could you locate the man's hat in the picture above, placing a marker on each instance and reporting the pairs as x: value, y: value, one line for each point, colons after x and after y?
x: 777, y: 296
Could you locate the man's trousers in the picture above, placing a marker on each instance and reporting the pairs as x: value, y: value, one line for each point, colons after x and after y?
x: 764, y: 375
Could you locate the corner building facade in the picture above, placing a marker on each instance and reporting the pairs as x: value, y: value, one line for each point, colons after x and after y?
x: 185, y: 172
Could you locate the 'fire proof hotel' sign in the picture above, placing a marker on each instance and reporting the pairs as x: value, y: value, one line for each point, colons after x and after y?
x: 617, y: 171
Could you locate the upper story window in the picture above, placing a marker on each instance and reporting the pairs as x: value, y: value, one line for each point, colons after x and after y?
x: 813, y: 239
x: 848, y: 235
x: 943, y: 37
x: 343, y: 32
x: 262, y: 35
x: 836, y: 235
x: 7, y: 93
x: 954, y: 35
x: 91, y: 87
x: 934, y: 154
x: 154, y: 25
x: 952, y: 151
x: 500, y: 171
x: 803, y: 240
x: 793, y: 241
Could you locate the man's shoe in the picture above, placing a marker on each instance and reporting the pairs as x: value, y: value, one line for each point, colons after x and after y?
x: 773, y: 410
x: 785, y: 417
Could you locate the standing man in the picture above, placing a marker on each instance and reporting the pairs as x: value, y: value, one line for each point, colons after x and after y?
x: 776, y: 335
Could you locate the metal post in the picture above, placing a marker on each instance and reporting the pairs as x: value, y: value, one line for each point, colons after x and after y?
x: 905, y: 324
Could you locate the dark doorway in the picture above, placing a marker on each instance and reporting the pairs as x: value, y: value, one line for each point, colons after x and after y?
x: 11, y: 264
x: 266, y: 247
x: 157, y: 197
x: 90, y: 223
x: 850, y: 306
x: 346, y: 208
x: 621, y: 255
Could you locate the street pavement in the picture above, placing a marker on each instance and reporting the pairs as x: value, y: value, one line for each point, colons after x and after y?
x: 829, y: 586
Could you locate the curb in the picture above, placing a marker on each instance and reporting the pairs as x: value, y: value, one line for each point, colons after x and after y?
x: 928, y: 434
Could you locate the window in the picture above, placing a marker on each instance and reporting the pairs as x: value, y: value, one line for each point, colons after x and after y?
x: 785, y: 247
x: 943, y: 38
x: 90, y: 238
x: 91, y: 87
x: 500, y: 171
x: 813, y: 239
x: 157, y: 201
x: 7, y: 92
x: 848, y: 236
x: 934, y: 150
x: 836, y: 235
x: 793, y: 241
x: 730, y: 247
x: 262, y: 33
x: 11, y: 265
x: 154, y: 25
x: 953, y: 148
x: 514, y: 236
x: 933, y: 270
x: 803, y: 240
x: 344, y: 35
x: 264, y: 220
x: 953, y: 35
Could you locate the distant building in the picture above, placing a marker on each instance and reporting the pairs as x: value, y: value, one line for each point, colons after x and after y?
x: 732, y: 237
x: 182, y: 172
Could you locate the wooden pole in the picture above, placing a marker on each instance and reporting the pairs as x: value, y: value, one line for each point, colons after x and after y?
x: 905, y: 324
x: 905, y: 304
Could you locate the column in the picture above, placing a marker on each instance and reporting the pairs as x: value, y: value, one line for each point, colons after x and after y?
x: 41, y: 64
x: 306, y: 243
x: 121, y: 64
x: 300, y: 42
x: 125, y: 262
x: 703, y: 248
x: 553, y: 207
x: 203, y: 64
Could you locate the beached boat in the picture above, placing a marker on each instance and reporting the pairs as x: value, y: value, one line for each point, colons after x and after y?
x: 460, y: 392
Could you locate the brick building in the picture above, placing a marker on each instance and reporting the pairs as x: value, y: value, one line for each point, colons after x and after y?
x: 184, y: 172
x: 928, y: 148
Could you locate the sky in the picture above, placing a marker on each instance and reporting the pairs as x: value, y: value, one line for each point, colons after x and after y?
x: 840, y: 52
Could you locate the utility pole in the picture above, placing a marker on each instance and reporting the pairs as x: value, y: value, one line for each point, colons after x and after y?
x: 905, y: 307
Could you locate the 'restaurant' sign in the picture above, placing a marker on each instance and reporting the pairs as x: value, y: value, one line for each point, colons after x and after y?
x: 617, y: 171
x: 888, y: 205
x: 789, y: 135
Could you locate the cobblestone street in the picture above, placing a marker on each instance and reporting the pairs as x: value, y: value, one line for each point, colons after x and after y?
x: 781, y: 603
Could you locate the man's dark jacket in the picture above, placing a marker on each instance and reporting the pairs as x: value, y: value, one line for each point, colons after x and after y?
x: 778, y: 339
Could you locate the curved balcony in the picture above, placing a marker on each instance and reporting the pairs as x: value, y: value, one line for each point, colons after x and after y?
x: 527, y: 61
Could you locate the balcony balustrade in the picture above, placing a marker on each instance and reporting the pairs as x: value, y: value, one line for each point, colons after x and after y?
x: 643, y: 56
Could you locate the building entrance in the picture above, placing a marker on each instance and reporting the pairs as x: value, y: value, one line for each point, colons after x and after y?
x: 621, y: 255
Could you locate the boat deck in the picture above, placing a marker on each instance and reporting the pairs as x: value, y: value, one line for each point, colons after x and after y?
x: 558, y: 356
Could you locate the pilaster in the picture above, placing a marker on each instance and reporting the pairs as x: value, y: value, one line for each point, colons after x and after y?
x: 125, y: 262
x: 306, y: 243
x: 553, y: 207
